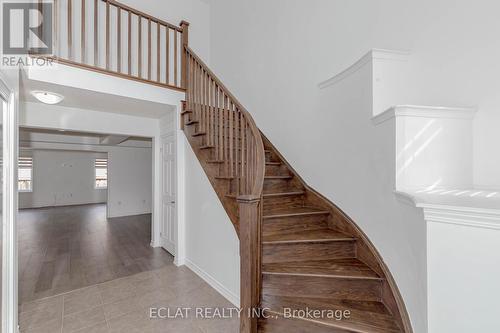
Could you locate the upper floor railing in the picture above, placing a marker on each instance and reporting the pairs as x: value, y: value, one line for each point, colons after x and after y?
x: 108, y: 36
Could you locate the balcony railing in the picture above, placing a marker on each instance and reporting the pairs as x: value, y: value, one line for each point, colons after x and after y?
x: 110, y: 37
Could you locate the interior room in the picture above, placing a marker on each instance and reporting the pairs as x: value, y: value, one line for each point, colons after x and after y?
x: 85, y: 204
x: 302, y: 166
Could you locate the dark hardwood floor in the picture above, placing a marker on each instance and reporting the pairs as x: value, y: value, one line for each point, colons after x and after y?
x: 67, y: 248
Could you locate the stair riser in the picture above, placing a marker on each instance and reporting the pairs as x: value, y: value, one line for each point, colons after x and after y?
x: 321, y: 287
x: 284, y: 201
x: 289, y: 325
x: 277, y: 170
x: 276, y: 185
x: 273, y: 253
x: 271, y: 157
x: 294, y: 224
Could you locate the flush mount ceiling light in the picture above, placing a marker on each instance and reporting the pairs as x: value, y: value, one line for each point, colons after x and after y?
x: 47, y: 97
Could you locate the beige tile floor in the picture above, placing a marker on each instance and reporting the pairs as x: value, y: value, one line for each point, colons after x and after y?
x: 123, y: 305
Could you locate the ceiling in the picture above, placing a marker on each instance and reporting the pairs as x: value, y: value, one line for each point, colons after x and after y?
x: 95, y: 101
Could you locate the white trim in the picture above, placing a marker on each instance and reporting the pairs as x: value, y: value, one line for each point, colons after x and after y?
x: 228, y: 294
x: 379, y: 54
x: 464, y: 216
x: 9, y: 213
x: 180, y: 251
x: 425, y: 112
x: 475, y: 217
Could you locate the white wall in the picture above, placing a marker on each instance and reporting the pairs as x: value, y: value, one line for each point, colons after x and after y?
x: 62, y: 178
x: 130, y: 169
x: 212, y: 245
x: 272, y: 55
x: 196, y: 12
x: 357, y: 172
x: 130, y: 181
x: 463, y: 282
x: 291, y: 46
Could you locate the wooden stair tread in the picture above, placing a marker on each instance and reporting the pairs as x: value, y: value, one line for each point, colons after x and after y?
x: 305, y: 236
x: 199, y: 133
x: 266, y: 177
x: 283, y: 194
x: 274, y: 195
x: 278, y: 177
x: 293, y: 211
x: 192, y: 122
x: 365, y: 317
x: 346, y: 268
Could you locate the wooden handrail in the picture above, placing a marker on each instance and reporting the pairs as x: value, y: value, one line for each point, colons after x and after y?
x: 127, y: 49
x: 230, y: 104
x: 228, y: 129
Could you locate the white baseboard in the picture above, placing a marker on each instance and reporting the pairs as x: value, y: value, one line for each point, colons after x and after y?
x: 229, y: 295
x: 179, y: 261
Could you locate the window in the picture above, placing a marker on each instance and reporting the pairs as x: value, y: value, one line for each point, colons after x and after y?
x: 25, y: 174
x: 101, y: 173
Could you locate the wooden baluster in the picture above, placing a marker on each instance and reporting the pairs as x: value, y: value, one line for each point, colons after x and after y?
x: 214, y: 102
x: 243, y: 156
x: 108, y: 38
x: 96, y: 35
x: 175, y: 57
x: 139, y: 56
x: 70, y: 29
x: 238, y: 151
x: 192, y: 82
x: 209, y: 90
x: 184, y: 42
x: 226, y: 136
x: 55, y: 29
x: 249, y: 161
x: 129, y: 51
x: 249, y: 232
x: 203, y: 102
x: 207, y: 108
x: 118, y: 40
x: 83, y: 32
x: 198, y: 95
x: 221, y: 125
x: 188, y: 90
x: 149, y: 49
x: 231, y: 134
x: 158, y: 53
x: 168, y: 56
x: 195, y: 84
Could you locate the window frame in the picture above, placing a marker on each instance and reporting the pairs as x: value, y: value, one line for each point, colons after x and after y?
x: 95, y: 173
x: 30, y: 190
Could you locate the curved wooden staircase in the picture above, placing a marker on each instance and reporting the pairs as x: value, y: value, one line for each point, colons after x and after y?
x: 298, y: 250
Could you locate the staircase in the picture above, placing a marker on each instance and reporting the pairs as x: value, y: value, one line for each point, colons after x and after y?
x: 298, y: 250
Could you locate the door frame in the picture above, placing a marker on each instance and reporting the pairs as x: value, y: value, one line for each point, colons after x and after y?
x: 9, y: 212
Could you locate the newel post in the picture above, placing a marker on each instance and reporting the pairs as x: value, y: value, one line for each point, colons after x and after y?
x: 184, y: 42
x: 249, y: 230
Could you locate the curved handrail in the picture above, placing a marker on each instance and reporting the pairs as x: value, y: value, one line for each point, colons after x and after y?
x: 204, y: 93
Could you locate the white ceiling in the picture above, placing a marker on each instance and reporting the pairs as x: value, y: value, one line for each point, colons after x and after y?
x: 95, y: 101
